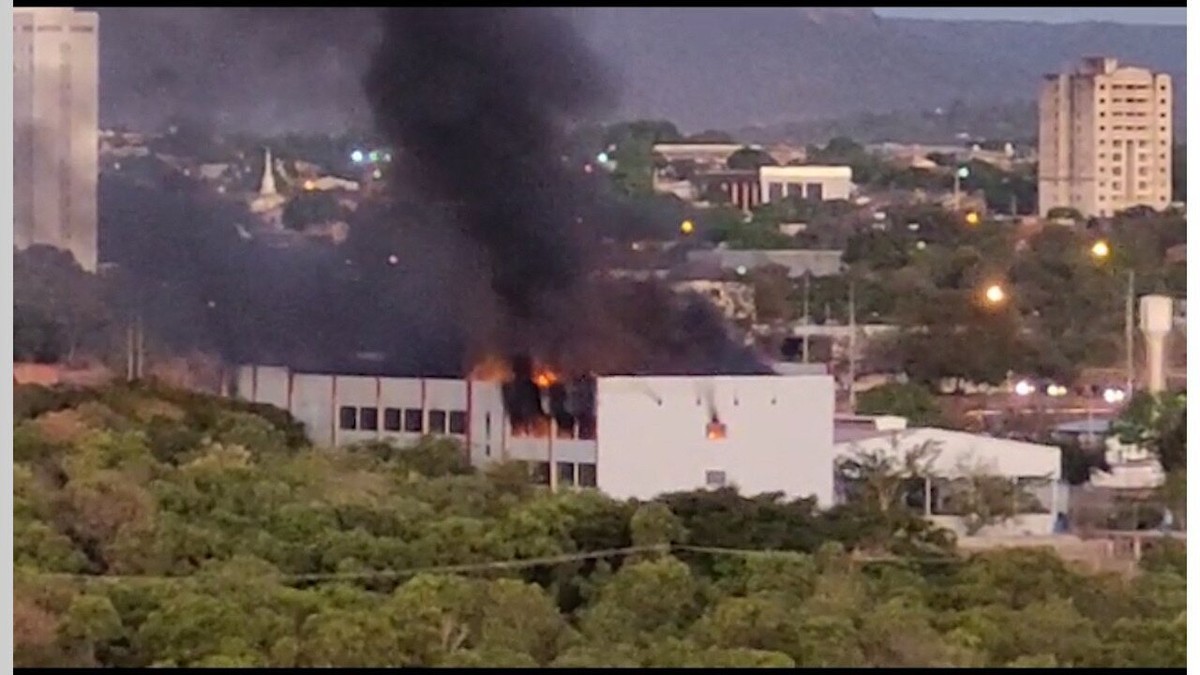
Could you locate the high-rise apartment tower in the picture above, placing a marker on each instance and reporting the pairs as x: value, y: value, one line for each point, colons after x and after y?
x: 56, y: 111
x: 1104, y: 139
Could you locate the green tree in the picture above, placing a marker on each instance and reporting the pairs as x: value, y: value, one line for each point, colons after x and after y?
x: 1157, y: 422
x: 747, y: 159
x: 910, y: 400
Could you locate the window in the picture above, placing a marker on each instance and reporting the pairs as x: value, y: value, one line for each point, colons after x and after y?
x: 795, y: 190
x: 1142, y: 185
x: 714, y: 479
x: 458, y: 422
x: 437, y: 421
x: 413, y: 420
x: 1116, y: 171
x: 1116, y: 185
x: 587, y: 475
x: 540, y: 473
x: 348, y: 417
x: 1116, y: 156
x: 816, y: 191
x: 774, y: 192
x: 1141, y: 171
x: 566, y: 473
x: 368, y: 419
x: 391, y: 419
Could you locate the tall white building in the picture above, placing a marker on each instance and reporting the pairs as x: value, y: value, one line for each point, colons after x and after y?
x: 1104, y: 139
x: 56, y: 118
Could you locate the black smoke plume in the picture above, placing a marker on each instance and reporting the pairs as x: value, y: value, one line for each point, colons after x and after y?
x: 480, y: 102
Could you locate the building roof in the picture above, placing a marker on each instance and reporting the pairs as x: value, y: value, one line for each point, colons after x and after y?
x: 818, y: 263
x: 953, y: 452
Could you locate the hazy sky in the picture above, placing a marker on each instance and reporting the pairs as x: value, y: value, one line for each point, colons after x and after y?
x: 1155, y: 15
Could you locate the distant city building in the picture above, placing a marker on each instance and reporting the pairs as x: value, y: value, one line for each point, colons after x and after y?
x: 1104, y: 139
x: 817, y: 183
x: 799, y: 262
x: 56, y: 127
x: 735, y: 188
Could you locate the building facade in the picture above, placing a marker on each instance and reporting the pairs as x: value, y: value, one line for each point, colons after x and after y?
x: 807, y: 181
x: 56, y: 118
x: 949, y: 458
x: 649, y: 435
x: 1104, y: 139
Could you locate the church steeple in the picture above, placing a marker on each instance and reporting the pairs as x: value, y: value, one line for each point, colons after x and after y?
x: 267, y: 189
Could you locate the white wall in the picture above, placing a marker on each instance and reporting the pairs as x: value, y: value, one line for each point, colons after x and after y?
x: 835, y: 181
x: 651, y: 434
x: 956, y: 450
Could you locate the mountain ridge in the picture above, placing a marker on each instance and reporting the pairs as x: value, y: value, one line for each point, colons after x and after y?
x: 270, y: 70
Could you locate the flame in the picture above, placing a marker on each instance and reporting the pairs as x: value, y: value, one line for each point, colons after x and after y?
x: 492, y: 369
x: 543, y: 377
x: 538, y: 427
x: 495, y: 369
x: 715, y: 430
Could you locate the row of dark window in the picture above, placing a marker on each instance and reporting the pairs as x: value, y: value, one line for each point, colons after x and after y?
x: 570, y: 474
x: 409, y: 420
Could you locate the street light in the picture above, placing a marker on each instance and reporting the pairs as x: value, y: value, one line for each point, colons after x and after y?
x: 994, y: 294
x: 1101, y: 251
x: 687, y: 227
x: 961, y: 173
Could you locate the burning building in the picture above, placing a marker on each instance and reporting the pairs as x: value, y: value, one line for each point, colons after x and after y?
x: 661, y: 398
x: 629, y: 436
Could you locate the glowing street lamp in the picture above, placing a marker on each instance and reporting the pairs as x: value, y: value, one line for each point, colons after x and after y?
x: 972, y: 218
x: 687, y: 227
x: 1023, y: 388
x: 1101, y: 249
x: 994, y: 294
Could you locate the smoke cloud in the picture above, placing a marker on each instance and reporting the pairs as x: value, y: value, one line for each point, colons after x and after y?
x: 480, y: 101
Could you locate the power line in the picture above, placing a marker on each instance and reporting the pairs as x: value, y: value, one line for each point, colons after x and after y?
x: 513, y: 563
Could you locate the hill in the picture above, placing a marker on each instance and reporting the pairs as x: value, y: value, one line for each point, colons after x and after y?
x: 274, y: 70
x: 728, y: 67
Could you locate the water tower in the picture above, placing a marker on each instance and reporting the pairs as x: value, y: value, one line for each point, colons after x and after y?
x: 1156, y: 320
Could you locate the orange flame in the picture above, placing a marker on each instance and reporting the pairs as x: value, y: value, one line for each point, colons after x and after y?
x: 492, y: 369
x: 715, y: 430
x: 543, y: 377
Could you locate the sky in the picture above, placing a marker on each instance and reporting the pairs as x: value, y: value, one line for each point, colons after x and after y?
x: 1145, y: 15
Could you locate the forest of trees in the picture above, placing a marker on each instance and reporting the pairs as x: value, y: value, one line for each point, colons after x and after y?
x: 156, y: 527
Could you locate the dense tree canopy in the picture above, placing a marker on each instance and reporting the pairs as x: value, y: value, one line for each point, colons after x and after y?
x: 154, y: 527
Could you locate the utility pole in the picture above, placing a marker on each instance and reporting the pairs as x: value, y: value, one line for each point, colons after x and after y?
x: 807, y: 319
x: 852, y: 374
x: 1129, y: 337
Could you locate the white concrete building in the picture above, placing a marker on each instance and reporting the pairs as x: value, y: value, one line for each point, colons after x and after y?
x: 1036, y: 469
x: 650, y: 434
x: 809, y: 181
x: 56, y: 126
